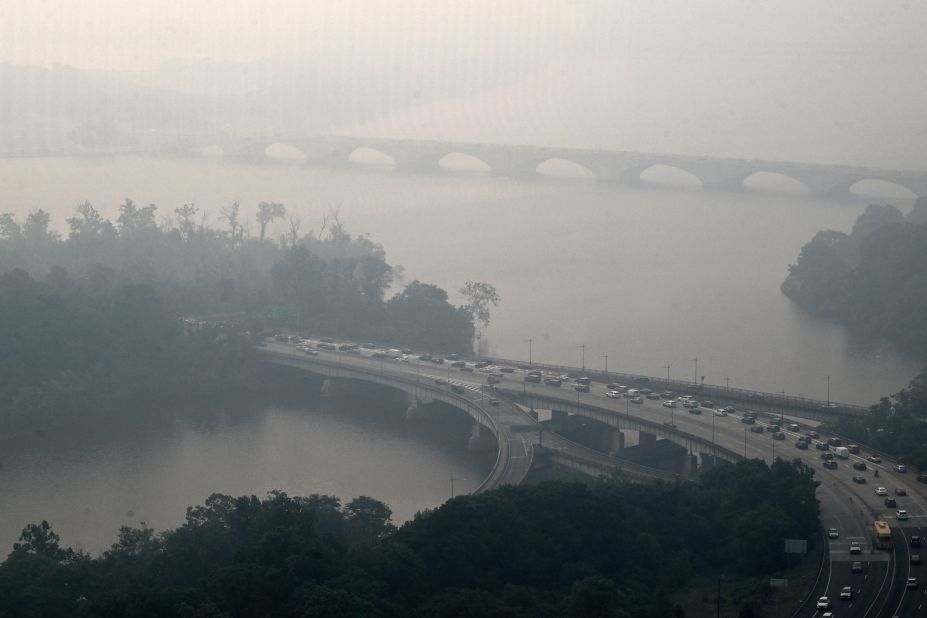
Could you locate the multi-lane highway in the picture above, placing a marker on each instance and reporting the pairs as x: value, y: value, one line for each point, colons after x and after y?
x: 879, y: 588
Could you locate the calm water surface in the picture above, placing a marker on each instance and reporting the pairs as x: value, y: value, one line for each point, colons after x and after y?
x: 89, y: 482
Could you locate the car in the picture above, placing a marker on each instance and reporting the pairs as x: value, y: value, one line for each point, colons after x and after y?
x: 901, y: 515
x: 749, y: 420
x: 708, y: 404
x: 644, y: 391
x: 821, y: 446
x: 853, y: 448
x: 827, y: 456
x: 581, y: 388
x: 823, y: 603
x: 857, y: 567
x: 846, y: 593
x: 437, y: 360
x: 494, y: 402
x: 793, y: 427
x: 482, y: 363
x: 424, y: 357
x: 861, y: 480
x: 453, y: 357
x: 666, y: 394
x: 440, y: 381
x: 922, y: 477
x: 458, y: 364
x: 778, y: 436
x: 756, y: 429
x: 915, y: 541
x: 911, y: 583
x: 915, y: 558
x: 772, y: 428
x: 688, y: 403
x: 326, y: 340
x: 669, y: 424
x: 642, y: 379
x: 831, y: 464
x: 832, y: 533
x: 613, y: 386
x: 367, y: 346
x: 507, y: 369
x: 858, y: 465
x: 881, y: 491
x: 613, y: 394
x: 890, y: 503
x: 553, y: 382
x: 638, y: 400
x: 801, y: 446
x: 834, y: 441
x: 669, y: 404
x: 653, y: 396
x: 310, y: 352
x: 720, y: 412
x: 855, y: 548
x: 901, y: 491
x: 457, y: 388
x: 874, y: 459
x: 900, y: 468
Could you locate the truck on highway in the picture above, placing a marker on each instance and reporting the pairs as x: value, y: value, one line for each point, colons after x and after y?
x: 393, y: 353
x: 842, y: 452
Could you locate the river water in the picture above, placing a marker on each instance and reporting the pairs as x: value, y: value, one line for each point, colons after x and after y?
x: 89, y: 481
x: 653, y: 276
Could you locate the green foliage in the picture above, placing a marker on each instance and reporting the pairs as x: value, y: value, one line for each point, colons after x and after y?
x: 874, y: 280
x: 896, y: 425
x: 557, y: 549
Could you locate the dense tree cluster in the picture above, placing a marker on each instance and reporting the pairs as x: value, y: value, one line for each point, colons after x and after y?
x: 91, y: 320
x: 557, y: 549
x: 896, y: 425
x: 874, y: 279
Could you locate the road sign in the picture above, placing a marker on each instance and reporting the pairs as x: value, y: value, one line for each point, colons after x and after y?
x: 796, y: 546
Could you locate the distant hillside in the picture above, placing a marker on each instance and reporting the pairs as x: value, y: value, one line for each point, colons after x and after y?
x: 874, y: 279
x: 64, y: 110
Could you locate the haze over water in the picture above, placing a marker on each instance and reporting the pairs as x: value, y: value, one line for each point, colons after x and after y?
x: 651, y: 276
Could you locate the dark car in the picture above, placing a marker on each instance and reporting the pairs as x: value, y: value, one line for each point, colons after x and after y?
x: 482, y: 363
x: 915, y: 541
x: 831, y: 464
x: 457, y: 388
x: 922, y: 477
x: 708, y: 404
x: 858, y: 465
x: 533, y: 377
x: 827, y: 456
x: 857, y: 567
x: 890, y: 502
x: 859, y: 479
x: 773, y: 428
x: 749, y: 420
x: 553, y: 382
x: 437, y: 360
x: 458, y: 364
x: 756, y: 429
x: 801, y: 445
x: 424, y: 357
x: 453, y: 357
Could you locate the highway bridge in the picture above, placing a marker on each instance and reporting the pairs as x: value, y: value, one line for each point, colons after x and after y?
x: 709, y: 438
x: 522, y: 161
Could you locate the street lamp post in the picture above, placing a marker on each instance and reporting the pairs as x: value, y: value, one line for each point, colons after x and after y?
x: 667, y: 367
x: 713, y: 416
x: 695, y: 374
x: 745, y: 442
x: 530, y: 342
x: 718, y: 598
x: 605, y: 356
x: 828, y: 391
x: 583, y: 348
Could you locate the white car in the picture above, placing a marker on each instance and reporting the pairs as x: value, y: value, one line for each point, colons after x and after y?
x: 855, y: 548
x: 901, y: 515
x: 669, y: 404
x: 846, y: 593
x: 881, y: 491
x: 823, y: 603
x: 832, y: 533
x: 720, y: 413
x: 613, y: 394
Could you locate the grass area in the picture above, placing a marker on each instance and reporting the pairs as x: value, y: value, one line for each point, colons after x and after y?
x: 739, y: 593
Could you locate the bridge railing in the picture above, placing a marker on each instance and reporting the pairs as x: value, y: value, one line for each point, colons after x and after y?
x: 750, y: 399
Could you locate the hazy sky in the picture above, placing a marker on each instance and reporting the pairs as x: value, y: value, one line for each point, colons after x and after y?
x: 821, y: 80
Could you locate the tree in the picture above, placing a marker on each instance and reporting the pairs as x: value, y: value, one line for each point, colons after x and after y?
x: 40, y: 540
x: 229, y: 214
x: 480, y: 295
x: 35, y: 229
x: 369, y: 517
x: 267, y: 212
x: 9, y: 228
x: 89, y: 225
x: 185, y: 220
x: 134, y: 221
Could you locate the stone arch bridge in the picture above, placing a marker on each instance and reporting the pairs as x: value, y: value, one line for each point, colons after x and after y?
x: 626, y: 167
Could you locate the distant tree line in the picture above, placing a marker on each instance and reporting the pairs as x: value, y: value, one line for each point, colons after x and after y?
x: 90, y: 321
x: 874, y: 279
x: 556, y: 549
x: 897, y: 425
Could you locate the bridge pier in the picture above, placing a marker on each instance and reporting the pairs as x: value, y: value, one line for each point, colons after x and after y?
x: 690, y: 464
x: 646, y: 439
x: 614, y: 442
x: 416, y: 410
x: 707, y: 461
x: 479, y: 439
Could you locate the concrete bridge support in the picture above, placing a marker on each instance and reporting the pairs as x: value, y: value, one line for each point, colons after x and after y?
x: 614, y: 441
x: 480, y: 439
x: 690, y: 465
x: 647, y: 439
x: 416, y: 410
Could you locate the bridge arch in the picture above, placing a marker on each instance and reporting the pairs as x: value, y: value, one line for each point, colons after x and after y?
x: 558, y: 167
x: 775, y: 182
x: 368, y: 156
x: 281, y: 151
x: 666, y: 174
x: 463, y: 163
x: 882, y: 188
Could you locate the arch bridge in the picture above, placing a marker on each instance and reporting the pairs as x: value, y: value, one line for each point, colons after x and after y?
x: 522, y: 161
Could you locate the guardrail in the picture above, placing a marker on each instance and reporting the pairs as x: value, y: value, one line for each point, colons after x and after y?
x: 760, y: 400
